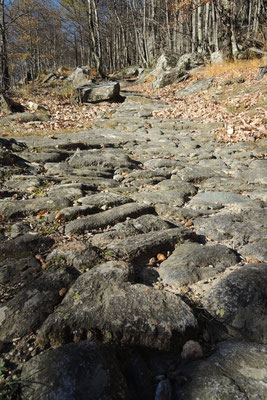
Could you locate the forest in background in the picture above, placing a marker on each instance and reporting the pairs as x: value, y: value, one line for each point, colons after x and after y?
x: 39, y: 36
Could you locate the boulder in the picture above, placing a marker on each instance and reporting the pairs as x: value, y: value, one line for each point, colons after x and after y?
x: 189, y: 61
x: 8, y: 105
x: 217, y: 57
x: 25, y: 246
x: 130, y: 72
x: 94, y: 93
x: 80, y: 76
x: 165, y: 78
x: 166, y: 62
x: 31, y: 306
x: 103, y: 302
x: 239, y: 302
x: 81, y: 371
x: 171, y: 68
x: 236, y: 371
x: 195, y: 87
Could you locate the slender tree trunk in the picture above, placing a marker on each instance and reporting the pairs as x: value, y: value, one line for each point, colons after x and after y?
x: 207, y: 30
x: 215, y: 28
x: 194, y: 30
x: 5, y: 81
x: 200, y: 44
x: 167, y: 25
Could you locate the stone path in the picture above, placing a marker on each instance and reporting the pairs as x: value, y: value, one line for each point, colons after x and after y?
x: 122, y: 243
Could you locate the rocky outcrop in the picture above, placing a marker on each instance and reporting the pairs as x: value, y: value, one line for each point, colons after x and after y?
x: 131, y: 257
x: 80, y: 76
x: 172, y: 68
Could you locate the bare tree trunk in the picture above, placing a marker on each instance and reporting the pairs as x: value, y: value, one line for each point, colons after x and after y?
x: 215, y: 28
x: 194, y: 30
x: 207, y: 30
x: 5, y: 80
x: 167, y: 25
x: 200, y: 43
x: 256, y: 17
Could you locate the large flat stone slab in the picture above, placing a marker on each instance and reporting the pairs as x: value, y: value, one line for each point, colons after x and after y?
x: 109, y: 217
x: 192, y: 262
x: 245, y: 226
x: 148, y: 244
x: 204, y: 199
x: 131, y: 227
x: 102, y: 158
x: 20, y: 208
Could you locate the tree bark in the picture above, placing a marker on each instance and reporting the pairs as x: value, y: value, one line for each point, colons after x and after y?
x: 5, y: 81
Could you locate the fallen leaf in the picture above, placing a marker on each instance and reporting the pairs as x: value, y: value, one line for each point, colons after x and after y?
x: 41, y: 213
x: 62, y: 292
x: 161, y: 257
x: 188, y: 223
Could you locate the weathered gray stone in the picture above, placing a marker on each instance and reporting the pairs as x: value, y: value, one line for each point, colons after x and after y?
x: 45, y: 157
x: 171, y: 197
x: 74, y: 254
x: 70, y: 213
x: 197, y: 174
x: 160, y: 162
x: 80, y: 76
x: 70, y: 191
x: 184, y: 187
x: 25, y: 117
x: 109, y: 217
x: 236, y: 371
x: 19, y: 208
x: 81, y: 371
x: 152, y: 243
x: 98, y: 92
x: 192, y: 262
x: 102, y: 158
x: 102, y: 300
x: 18, y: 271
x: 241, y: 227
x: 106, y: 200
x: 256, y: 250
x: 25, y: 246
x: 165, y: 78
x: 31, y: 306
x: 24, y: 183
x: 256, y: 175
x: 239, y: 301
x: 131, y: 227
x: 18, y: 229
x: 195, y: 87
x: 211, y: 198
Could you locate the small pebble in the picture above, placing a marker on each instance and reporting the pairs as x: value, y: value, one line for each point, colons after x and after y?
x: 192, y: 351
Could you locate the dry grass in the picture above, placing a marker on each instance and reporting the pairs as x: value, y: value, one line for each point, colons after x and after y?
x: 234, y: 69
